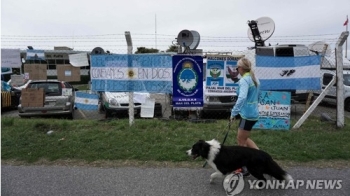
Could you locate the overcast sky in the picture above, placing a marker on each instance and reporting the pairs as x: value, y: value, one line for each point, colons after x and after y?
x: 222, y: 24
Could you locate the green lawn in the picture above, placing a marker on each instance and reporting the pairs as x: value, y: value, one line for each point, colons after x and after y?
x: 156, y: 140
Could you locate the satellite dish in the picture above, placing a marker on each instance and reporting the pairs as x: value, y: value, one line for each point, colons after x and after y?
x: 317, y: 47
x: 266, y: 28
x: 185, y: 38
x: 196, y: 39
x: 97, y: 50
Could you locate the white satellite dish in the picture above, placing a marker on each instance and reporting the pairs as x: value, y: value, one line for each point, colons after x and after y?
x: 318, y: 47
x: 185, y: 38
x: 196, y: 39
x: 266, y: 28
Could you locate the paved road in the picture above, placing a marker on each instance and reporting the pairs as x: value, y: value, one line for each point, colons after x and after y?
x: 86, y: 181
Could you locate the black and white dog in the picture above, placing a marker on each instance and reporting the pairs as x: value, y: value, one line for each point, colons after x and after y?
x: 226, y: 159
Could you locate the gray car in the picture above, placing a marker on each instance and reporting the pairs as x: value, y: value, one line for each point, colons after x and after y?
x: 217, y: 102
x: 59, y: 100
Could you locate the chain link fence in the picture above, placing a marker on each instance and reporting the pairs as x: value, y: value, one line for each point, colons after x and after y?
x: 296, y: 65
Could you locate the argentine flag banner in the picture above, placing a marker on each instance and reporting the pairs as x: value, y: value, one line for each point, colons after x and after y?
x: 131, y: 73
x: 288, y: 73
x: 86, y: 101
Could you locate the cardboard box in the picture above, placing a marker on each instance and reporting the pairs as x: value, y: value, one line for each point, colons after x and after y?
x: 36, y: 71
x: 32, y: 97
x: 68, y: 73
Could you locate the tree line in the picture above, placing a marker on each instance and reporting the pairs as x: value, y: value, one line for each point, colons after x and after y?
x: 141, y: 50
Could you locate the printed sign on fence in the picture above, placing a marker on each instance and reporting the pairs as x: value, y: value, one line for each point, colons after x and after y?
x: 274, y: 110
x: 188, y: 81
x: 130, y: 73
x: 221, y: 75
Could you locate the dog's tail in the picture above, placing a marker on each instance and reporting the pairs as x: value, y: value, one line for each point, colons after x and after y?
x: 277, y: 172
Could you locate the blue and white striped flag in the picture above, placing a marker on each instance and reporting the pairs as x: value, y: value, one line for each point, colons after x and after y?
x: 288, y: 73
x: 86, y: 101
x: 35, y: 55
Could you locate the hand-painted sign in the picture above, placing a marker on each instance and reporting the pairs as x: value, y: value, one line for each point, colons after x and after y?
x: 274, y: 110
x: 131, y: 73
x: 188, y: 81
x: 221, y: 75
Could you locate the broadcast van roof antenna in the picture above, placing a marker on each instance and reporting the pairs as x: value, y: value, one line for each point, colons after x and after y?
x: 260, y: 30
x: 189, y: 40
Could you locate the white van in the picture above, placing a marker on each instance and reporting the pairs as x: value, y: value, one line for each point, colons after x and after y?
x: 331, y: 97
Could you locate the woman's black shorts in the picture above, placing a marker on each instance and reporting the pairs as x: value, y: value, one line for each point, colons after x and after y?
x: 247, y: 124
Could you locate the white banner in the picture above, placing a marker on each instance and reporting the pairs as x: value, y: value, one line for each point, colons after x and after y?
x: 11, y: 58
x: 79, y: 60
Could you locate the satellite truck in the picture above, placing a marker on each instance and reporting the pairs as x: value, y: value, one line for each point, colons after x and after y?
x: 262, y: 29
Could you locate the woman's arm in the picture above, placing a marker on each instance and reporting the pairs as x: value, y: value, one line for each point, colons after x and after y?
x: 242, y: 96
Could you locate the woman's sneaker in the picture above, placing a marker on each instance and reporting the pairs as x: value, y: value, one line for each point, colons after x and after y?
x: 244, y: 171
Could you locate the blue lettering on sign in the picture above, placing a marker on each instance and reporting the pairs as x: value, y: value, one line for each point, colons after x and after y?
x: 214, y: 83
x: 109, y: 77
x: 274, y: 110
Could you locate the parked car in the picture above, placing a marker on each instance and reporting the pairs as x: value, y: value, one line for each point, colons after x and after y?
x: 58, y: 101
x: 117, y: 103
x: 217, y: 102
x: 331, y: 96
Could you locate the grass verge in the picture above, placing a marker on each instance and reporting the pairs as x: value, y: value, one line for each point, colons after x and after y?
x: 92, y: 141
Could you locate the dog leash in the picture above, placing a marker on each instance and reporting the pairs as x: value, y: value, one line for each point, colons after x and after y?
x: 228, y: 130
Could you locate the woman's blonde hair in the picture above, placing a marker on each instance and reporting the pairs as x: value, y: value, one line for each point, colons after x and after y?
x: 247, y: 66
